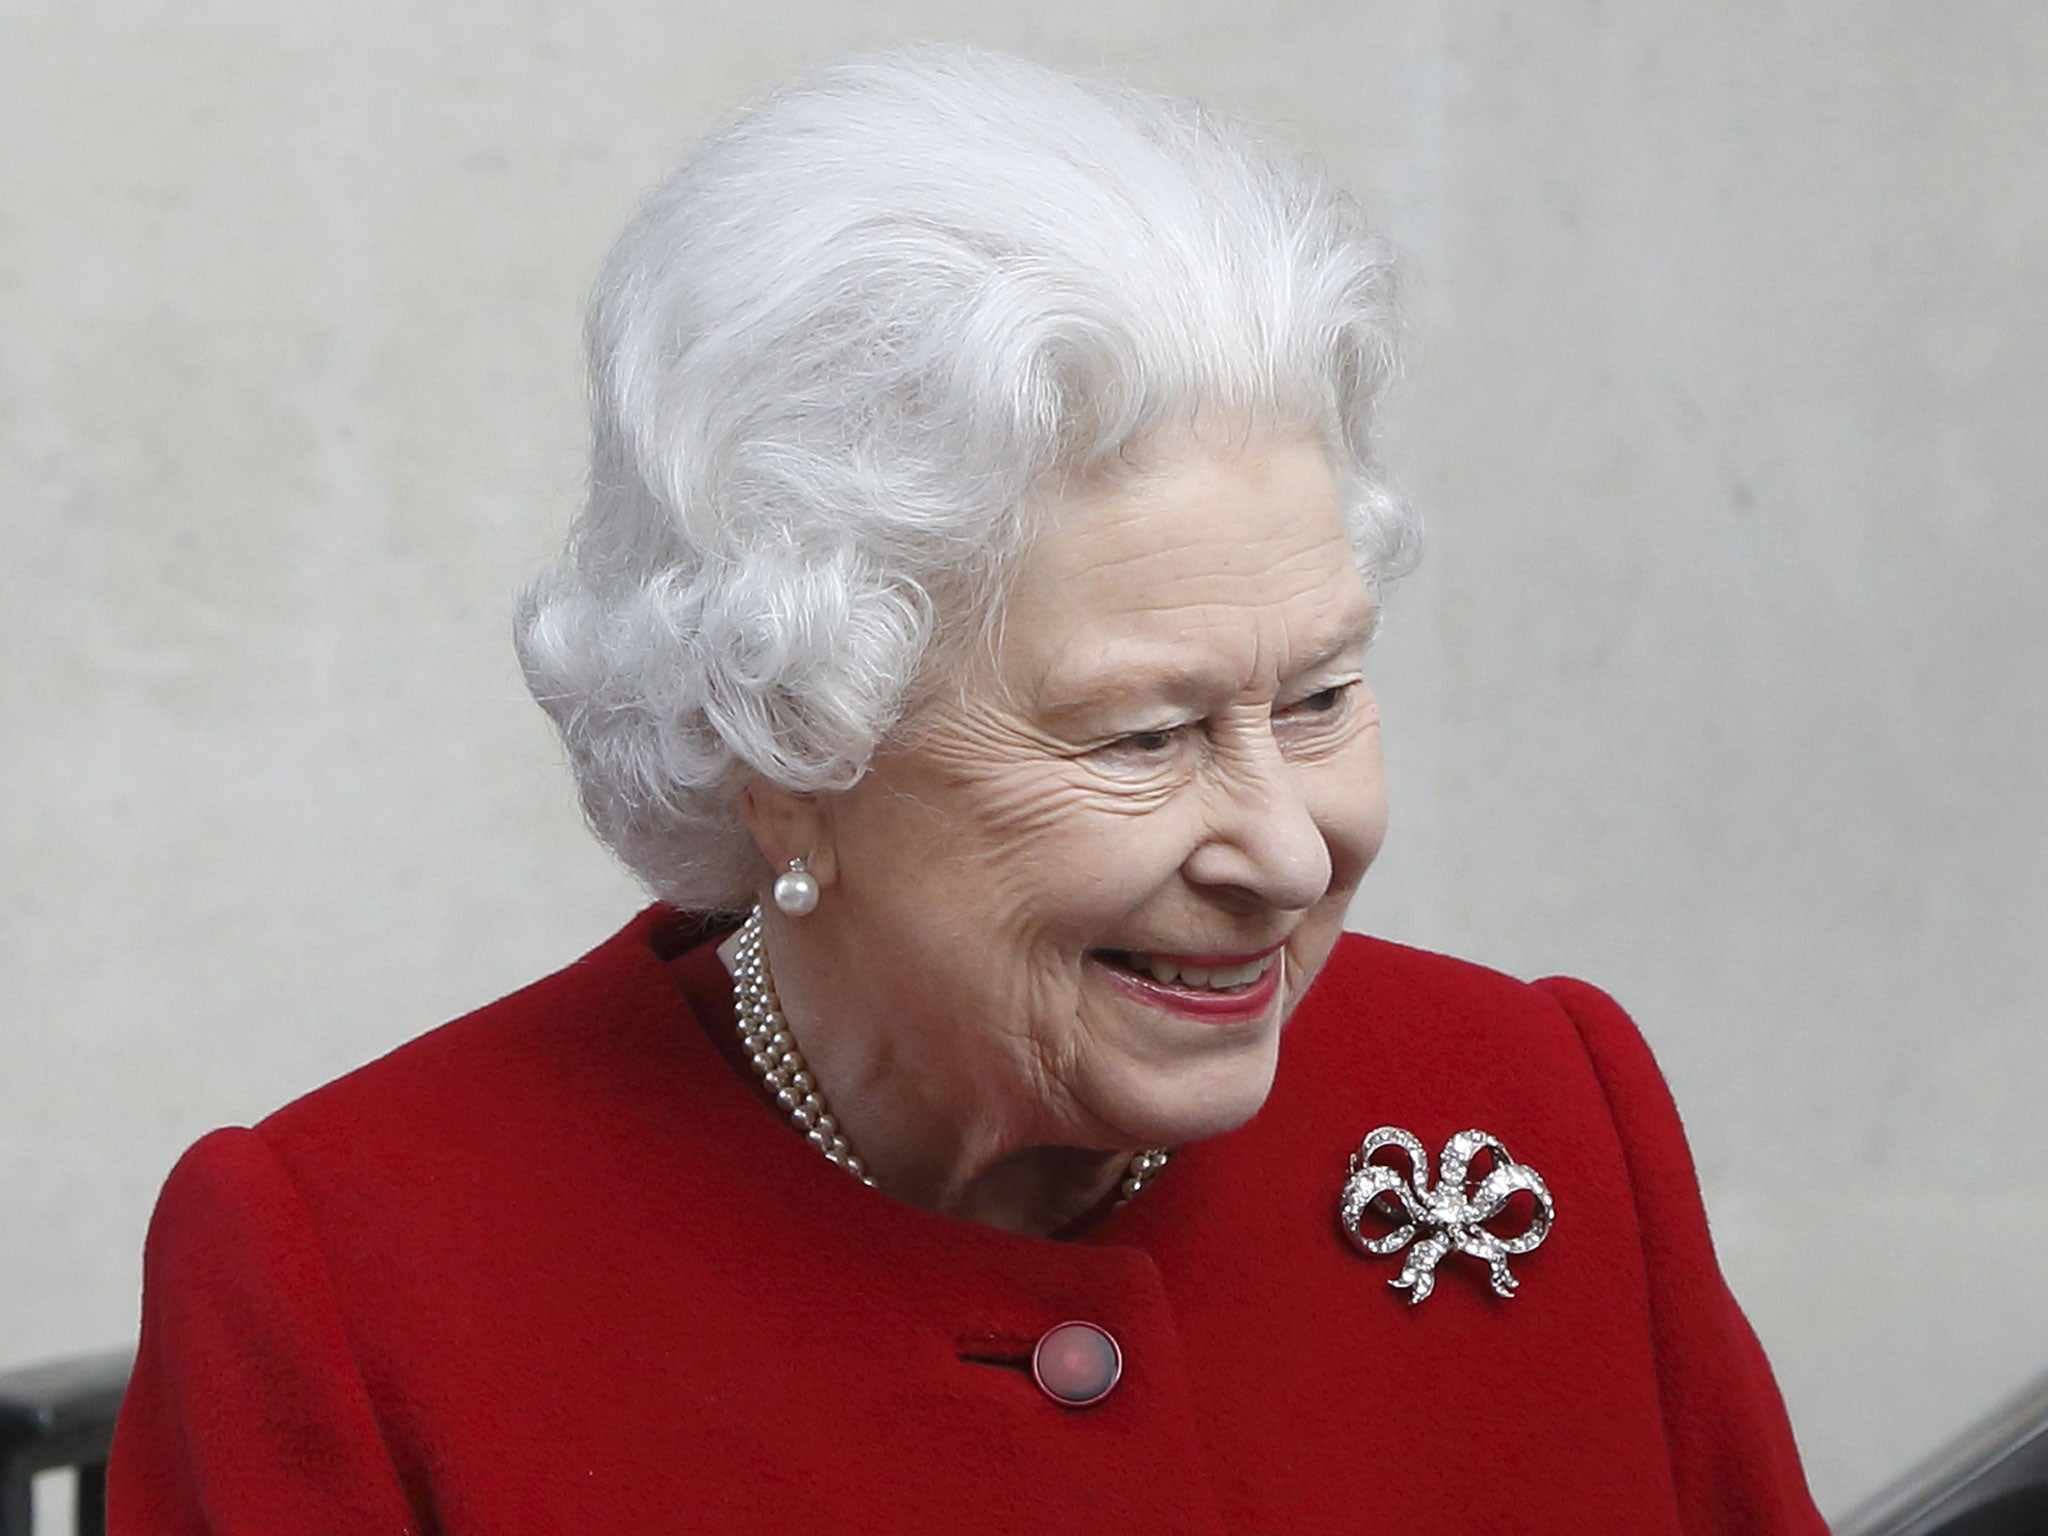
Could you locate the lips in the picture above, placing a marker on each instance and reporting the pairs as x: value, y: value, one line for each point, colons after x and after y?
x: 1214, y: 988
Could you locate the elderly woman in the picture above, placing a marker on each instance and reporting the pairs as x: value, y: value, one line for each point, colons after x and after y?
x: 990, y: 1129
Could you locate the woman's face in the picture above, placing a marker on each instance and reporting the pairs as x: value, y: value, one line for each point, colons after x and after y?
x: 1095, y: 877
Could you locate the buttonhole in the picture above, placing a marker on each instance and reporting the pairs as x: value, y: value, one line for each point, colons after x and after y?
x: 1004, y: 1351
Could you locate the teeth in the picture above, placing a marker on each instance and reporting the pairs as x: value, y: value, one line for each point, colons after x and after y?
x: 1219, y: 978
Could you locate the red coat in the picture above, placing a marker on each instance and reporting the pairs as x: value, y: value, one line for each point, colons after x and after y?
x: 557, y: 1268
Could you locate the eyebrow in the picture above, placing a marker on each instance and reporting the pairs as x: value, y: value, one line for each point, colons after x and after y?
x: 1124, y: 678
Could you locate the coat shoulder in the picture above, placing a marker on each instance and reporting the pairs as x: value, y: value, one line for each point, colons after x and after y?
x: 1396, y: 1036
x: 1373, y: 986
x: 485, y: 1087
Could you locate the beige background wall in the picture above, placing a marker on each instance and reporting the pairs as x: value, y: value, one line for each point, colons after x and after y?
x: 1723, y: 684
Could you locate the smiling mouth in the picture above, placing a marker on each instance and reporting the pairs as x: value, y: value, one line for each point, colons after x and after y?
x: 1222, y: 975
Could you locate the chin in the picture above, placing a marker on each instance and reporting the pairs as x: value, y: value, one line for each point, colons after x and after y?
x: 1208, y: 1103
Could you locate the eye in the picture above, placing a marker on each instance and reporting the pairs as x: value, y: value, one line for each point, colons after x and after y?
x: 1324, y: 701
x: 1321, y: 702
x: 1146, y: 743
x: 1147, y: 751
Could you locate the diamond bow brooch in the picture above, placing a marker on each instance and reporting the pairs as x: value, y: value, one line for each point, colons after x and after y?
x: 1444, y: 1218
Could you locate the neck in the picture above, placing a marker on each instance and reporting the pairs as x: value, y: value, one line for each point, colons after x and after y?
x: 887, y: 1106
x: 1036, y: 1190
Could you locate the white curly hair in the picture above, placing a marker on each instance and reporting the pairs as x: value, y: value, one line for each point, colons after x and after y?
x: 845, y: 355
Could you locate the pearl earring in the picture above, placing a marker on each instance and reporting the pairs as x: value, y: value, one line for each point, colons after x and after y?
x: 796, y: 890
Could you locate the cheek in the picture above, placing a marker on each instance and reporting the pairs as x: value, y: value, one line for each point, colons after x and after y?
x: 1351, y: 810
x: 1035, y: 856
x: 1348, y: 801
x: 1081, y: 870
x: 1051, y: 827
x: 1360, y: 827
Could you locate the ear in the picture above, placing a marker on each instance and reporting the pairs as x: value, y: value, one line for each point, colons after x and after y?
x: 787, y: 825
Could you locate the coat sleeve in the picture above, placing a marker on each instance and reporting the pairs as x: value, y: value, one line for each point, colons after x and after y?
x: 1733, y: 1459
x: 246, y: 1415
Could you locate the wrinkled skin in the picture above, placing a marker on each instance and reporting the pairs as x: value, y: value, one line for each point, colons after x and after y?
x: 1171, y: 750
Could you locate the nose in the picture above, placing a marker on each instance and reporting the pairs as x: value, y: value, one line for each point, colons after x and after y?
x: 1260, y: 837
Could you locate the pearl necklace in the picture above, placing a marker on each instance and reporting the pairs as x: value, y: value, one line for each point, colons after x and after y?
x: 772, y: 1051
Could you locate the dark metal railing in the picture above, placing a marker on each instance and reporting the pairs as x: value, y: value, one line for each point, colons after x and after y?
x: 54, y: 1417
x: 1991, y: 1480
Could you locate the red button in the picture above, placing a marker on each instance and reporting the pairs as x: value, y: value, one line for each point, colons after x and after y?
x: 1076, y: 1364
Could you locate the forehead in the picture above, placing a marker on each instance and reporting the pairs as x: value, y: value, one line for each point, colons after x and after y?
x: 1213, y: 568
